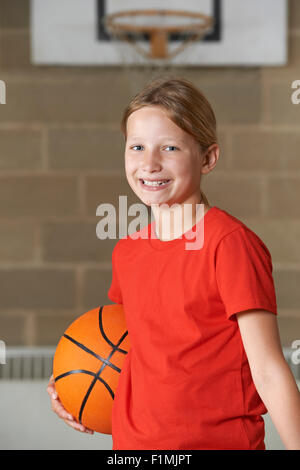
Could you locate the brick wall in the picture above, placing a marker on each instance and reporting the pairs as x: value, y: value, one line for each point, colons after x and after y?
x: 61, y: 155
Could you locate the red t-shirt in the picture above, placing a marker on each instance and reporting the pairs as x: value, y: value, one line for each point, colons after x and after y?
x: 186, y: 382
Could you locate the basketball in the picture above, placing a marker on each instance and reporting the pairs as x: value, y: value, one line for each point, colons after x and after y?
x: 87, y: 365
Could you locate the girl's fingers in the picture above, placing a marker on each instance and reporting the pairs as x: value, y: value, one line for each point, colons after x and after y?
x: 78, y: 426
x: 61, y: 411
x: 58, y: 408
x: 68, y: 418
x: 51, y: 388
x: 52, y: 392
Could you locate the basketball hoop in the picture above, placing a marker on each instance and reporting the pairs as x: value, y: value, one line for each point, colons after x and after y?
x: 129, y: 28
x: 195, y: 28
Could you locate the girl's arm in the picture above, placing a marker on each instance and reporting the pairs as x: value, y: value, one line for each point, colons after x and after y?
x: 271, y: 374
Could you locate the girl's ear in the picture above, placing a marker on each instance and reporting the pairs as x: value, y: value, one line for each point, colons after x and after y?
x: 210, y: 158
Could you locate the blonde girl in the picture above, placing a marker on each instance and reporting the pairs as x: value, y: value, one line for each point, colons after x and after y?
x: 205, y: 361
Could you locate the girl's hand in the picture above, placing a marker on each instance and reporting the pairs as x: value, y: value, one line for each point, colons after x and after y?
x: 61, y: 412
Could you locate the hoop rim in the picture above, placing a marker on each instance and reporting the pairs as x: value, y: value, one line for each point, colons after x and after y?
x: 127, y: 27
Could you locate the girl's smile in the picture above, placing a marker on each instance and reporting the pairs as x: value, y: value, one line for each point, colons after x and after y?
x: 154, y: 185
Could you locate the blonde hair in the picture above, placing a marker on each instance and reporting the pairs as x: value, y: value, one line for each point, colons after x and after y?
x: 186, y: 105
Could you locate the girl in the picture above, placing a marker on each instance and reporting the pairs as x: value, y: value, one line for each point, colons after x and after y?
x: 205, y: 360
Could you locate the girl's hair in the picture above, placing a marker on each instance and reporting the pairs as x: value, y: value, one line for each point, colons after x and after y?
x: 187, y: 107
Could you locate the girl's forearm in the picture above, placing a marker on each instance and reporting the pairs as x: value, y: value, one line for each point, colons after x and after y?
x: 279, y: 392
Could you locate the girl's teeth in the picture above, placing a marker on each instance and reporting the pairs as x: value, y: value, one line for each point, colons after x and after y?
x: 155, y: 183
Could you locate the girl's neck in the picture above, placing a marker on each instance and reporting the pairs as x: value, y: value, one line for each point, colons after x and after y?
x: 173, y: 222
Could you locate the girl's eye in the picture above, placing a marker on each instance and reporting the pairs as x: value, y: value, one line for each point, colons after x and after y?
x: 134, y: 146
x: 172, y: 147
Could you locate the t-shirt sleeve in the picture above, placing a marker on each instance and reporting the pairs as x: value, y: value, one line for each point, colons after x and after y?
x: 244, y: 273
x: 114, y: 292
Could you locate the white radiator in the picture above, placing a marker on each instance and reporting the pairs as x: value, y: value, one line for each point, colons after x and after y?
x: 27, y: 363
x: 36, y: 363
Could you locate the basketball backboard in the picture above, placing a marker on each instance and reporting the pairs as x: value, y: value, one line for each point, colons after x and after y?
x: 71, y: 32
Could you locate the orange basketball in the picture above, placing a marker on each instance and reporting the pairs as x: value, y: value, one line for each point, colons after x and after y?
x: 87, y: 365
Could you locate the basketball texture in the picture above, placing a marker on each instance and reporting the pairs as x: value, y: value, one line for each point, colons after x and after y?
x: 87, y: 365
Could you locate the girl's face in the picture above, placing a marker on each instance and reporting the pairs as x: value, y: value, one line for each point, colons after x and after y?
x: 158, y: 150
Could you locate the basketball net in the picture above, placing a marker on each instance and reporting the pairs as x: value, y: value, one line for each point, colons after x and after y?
x: 139, y: 69
x: 135, y: 58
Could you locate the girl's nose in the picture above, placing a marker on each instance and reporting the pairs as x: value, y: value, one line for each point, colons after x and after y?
x: 151, y: 161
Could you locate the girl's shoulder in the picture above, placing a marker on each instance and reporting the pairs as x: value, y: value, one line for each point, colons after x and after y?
x: 227, y: 226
